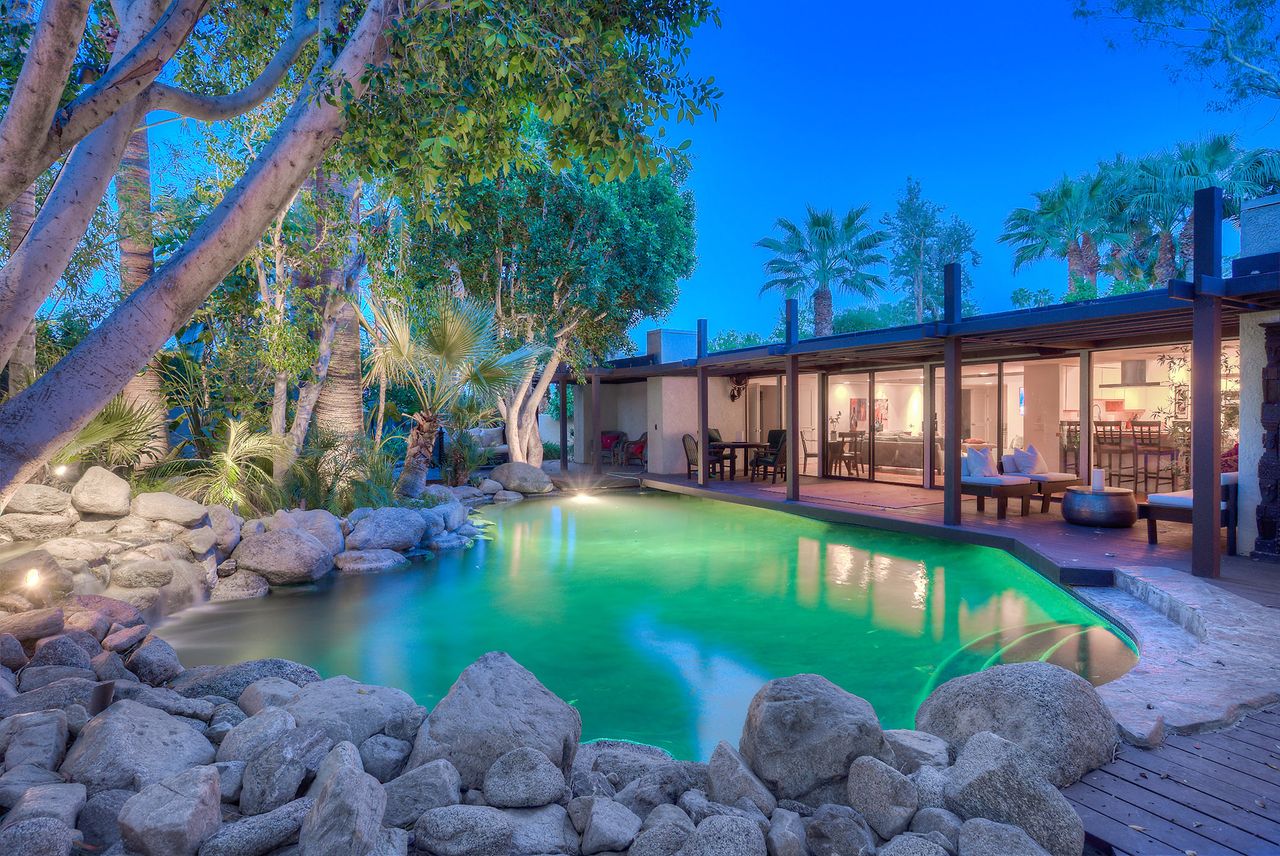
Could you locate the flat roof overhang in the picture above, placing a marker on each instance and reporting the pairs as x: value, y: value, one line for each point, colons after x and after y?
x: 1155, y: 317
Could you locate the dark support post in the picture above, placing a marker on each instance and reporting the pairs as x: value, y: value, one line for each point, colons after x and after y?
x: 704, y: 451
x: 793, y: 425
x: 564, y: 426
x: 1206, y: 388
x: 930, y: 428
x: 1084, y: 462
x: 951, y: 398
x: 702, y: 337
x: 594, y: 437
x: 1000, y: 410
x: 793, y: 321
x: 824, y: 426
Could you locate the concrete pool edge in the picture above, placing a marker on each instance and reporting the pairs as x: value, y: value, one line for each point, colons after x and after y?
x: 1205, y: 656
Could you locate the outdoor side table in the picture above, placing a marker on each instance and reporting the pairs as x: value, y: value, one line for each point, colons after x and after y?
x: 1110, y: 508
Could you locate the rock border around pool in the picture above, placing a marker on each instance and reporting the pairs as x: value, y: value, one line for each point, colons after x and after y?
x: 163, y: 553
x: 136, y: 755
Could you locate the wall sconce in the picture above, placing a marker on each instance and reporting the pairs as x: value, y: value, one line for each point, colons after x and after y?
x: 737, y: 386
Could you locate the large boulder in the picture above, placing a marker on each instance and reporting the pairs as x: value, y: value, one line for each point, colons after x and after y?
x: 38, y: 738
x: 101, y: 491
x: 130, y: 745
x: 388, y: 528
x: 523, y: 778
x: 169, y: 507
x: 802, y: 733
x: 173, y: 817
x: 261, y: 833
x: 274, y: 776
x: 725, y: 835
x: 521, y: 477
x: 347, y: 710
x: 38, y: 836
x: 732, y: 780
x: 35, y: 527
x: 226, y: 528
x: 661, y: 785
x: 154, y: 661
x: 347, y: 816
x: 57, y: 800
x: 30, y: 626
x: 915, y: 749
x: 982, y: 837
x: 326, y: 528
x: 786, y: 835
x: 497, y: 705
x: 230, y: 681
x: 433, y: 785
x: 37, y: 499
x: 837, y: 830
x: 996, y: 779
x: 464, y: 830
x: 604, y: 825
x: 542, y: 830
x: 1052, y: 713
x: 284, y: 556
x: 359, y: 562
x: 886, y: 798
x: 241, y: 585
x: 251, y: 736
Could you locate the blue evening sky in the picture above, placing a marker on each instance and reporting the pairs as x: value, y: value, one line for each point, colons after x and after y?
x: 835, y: 103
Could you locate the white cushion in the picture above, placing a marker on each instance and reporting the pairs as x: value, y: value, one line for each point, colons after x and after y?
x: 1052, y: 477
x: 1231, y: 478
x: 981, y: 462
x: 1002, y: 480
x: 1029, y: 460
x: 1177, y: 499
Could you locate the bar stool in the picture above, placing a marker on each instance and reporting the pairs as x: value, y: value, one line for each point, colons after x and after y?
x: 1108, y: 442
x: 1149, y: 443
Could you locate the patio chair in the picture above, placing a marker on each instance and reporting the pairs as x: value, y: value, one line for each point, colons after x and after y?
x: 806, y: 455
x: 611, y: 443
x: 636, y: 450
x: 983, y: 484
x: 1047, y: 483
x: 714, y: 464
x: 1109, y: 444
x: 771, y: 461
x: 1175, y: 507
x: 1069, y: 445
x: 1151, y: 443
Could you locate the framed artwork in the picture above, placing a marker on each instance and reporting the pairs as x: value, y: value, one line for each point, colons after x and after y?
x: 882, y: 412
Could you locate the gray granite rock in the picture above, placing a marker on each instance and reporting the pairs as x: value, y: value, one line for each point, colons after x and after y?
x: 544, y: 829
x: 241, y: 585
x: 270, y: 691
x: 496, y: 705
x: 125, y: 639
x: 522, y: 478
x: 252, y: 736
x: 347, y: 816
x: 173, y: 817
x: 169, y: 507
x: 274, y: 775
x: 731, y: 780
x: 231, y: 681
x: 359, y: 562
x: 226, y: 528
x: 342, y: 755
x: 59, y: 694
x: 143, y: 573
x: 940, y: 821
x: 230, y: 779
x: 886, y: 799
x: 62, y: 802
x: 910, y: 844
x: 260, y: 834
x: 1055, y: 715
x: 914, y: 749
x: 930, y: 783
x: 37, y: 499
x: 11, y: 654
x: 39, y: 836
x: 154, y: 661
x: 99, y: 820
x: 162, y: 698
x: 320, y: 524
x: 523, y: 778
x: 38, y: 738
x: 668, y: 813
x: 36, y: 527
x: 284, y: 556
x: 384, y: 757
x: 130, y: 745
x: 15, y: 782
x: 663, y: 839
x: 603, y: 824
x: 100, y: 491
x: 663, y: 784
x: 982, y: 837
x: 35, y: 677
x: 30, y: 626
x: 389, y: 528
x: 433, y: 785
x: 837, y: 830
x: 346, y: 709
x: 802, y: 733
x: 464, y: 830
x: 995, y: 779
x: 722, y: 835
x: 786, y: 835
x: 225, y: 717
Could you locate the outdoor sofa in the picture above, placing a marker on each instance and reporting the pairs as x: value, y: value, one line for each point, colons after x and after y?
x: 1175, y: 507
x: 1047, y: 483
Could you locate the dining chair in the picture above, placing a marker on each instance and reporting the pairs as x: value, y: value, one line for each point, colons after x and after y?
x: 1151, y: 443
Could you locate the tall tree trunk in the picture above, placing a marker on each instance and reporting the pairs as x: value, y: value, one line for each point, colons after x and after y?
x: 41, y: 418
x: 1166, y: 264
x: 421, y: 446
x: 1187, y: 243
x: 340, y: 407
x: 137, y: 264
x: 823, y: 312
x: 22, y: 365
x: 382, y: 409
x: 282, y: 460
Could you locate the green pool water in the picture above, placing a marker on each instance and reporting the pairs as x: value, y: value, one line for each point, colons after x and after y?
x: 659, y: 616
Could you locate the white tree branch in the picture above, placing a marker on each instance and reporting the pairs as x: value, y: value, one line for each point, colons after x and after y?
x: 215, y: 108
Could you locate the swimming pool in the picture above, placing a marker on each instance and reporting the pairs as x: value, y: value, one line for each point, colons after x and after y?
x: 659, y: 616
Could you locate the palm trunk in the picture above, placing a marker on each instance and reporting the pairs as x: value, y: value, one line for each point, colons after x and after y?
x: 822, y: 311
x: 1166, y: 265
x: 420, y: 448
x: 22, y: 365
x: 340, y: 407
x: 1187, y: 243
x: 137, y: 263
x: 382, y: 409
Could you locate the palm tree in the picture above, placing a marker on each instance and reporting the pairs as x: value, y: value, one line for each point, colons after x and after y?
x: 827, y: 253
x: 451, y: 362
x: 1068, y: 221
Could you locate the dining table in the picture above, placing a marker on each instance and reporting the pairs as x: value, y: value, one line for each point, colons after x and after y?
x: 732, y: 446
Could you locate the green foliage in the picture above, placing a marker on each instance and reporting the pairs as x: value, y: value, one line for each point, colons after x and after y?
x: 824, y: 254
x: 1231, y: 43
x: 118, y: 437
x: 876, y: 317
x: 462, y: 457
x: 339, y: 476
x: 1025, y: 298
x: 237, y: 475
x: 551, y: 451
x: 921, y: 241
x: 553, y: 401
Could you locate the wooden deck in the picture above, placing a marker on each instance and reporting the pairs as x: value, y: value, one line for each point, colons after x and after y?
x: 1216, y: 793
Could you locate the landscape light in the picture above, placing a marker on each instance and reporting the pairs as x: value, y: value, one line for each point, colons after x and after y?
x: 60, y: 470
x: 33, y: 578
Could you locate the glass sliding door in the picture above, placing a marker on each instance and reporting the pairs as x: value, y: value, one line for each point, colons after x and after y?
x: 897, y: 426
x: 848, y: 425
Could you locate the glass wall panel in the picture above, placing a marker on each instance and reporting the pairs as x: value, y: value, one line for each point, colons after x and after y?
x: 980, y: 406
x: 848, y: 424
x: 897, y: 417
